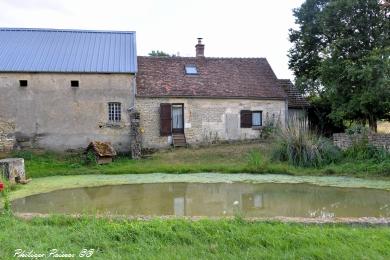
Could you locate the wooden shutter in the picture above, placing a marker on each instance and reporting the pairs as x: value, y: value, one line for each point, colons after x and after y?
x: 246, y: 119
x: 165, y: 119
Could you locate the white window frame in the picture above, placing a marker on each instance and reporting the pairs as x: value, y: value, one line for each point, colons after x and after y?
x: 191, y: 70
x: 114, y: 112
x: 261, y: 118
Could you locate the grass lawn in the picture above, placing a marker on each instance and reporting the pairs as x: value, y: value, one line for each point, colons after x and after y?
x: 237, y: 158
x: 184, y: 239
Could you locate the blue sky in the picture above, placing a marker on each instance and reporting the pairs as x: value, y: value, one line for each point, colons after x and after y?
x: 246, y: 28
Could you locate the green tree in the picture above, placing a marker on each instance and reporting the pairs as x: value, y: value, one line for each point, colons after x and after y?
x: 158, y: 54
x: 341, y: 52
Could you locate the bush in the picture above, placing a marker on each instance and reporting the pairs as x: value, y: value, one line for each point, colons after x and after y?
x: 362, y: 150
x: 270, y: 127
x: 357, y: 129
x: 304, y: 149
x: 90, y: 158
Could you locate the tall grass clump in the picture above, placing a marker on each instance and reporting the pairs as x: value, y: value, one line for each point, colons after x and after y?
x: 361, y: 149
x: 302, y: 148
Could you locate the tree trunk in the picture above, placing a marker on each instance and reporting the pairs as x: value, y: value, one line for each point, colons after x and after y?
x: 372, y: 122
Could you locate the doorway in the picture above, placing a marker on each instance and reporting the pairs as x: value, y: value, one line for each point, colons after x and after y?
x: 178, y: 118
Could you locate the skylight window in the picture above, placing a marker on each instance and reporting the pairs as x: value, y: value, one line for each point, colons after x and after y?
x: 191, y: 70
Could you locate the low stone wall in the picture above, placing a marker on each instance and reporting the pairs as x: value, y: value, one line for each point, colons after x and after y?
x: 343, y: 140
x: 7, y: 136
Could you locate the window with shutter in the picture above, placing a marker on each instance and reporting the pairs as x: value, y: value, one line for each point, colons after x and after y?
x: 257, y: 120
x: 165, y: 119
x: 246, y: 119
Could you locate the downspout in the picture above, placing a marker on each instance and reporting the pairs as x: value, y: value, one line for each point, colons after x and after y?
x: 133, y: 90
x: 286, y: 112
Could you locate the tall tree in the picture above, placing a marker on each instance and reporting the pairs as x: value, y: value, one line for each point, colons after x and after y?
x: 341, y: 50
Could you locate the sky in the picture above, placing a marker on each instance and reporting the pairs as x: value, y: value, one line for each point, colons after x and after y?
x: 244, y: 28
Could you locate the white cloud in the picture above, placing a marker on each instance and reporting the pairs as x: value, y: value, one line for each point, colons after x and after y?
x: 246, y: 28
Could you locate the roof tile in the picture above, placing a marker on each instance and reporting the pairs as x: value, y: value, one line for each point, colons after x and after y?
x: 218, y: 77
x: 295, y: 98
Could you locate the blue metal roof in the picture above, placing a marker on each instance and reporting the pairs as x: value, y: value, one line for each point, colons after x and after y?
x: 67, y: 51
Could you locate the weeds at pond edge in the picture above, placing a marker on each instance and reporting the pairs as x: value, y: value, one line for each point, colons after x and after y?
x: 5, y: 196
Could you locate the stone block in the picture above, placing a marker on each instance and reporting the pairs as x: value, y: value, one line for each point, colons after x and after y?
x: 13, y: 170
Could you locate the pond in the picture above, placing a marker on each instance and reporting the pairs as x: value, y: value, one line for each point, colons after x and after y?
x: 212, y: 199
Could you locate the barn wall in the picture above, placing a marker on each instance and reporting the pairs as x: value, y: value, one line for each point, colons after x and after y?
x: 51, y: 114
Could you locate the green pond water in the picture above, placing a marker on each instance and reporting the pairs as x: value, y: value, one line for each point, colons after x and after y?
x: 212, y: 199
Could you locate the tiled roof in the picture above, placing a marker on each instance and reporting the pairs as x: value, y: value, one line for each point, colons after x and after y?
x: 295, y: 98
x: 78, y: 51
x: 217, y: 77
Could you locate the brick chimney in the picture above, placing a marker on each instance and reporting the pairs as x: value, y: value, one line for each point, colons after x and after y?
x: 199, y: 48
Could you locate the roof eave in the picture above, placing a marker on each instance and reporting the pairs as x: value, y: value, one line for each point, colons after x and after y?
x: 211, y: 97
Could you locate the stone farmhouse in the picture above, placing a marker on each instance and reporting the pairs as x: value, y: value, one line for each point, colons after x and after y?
x: 200, y: 99
x: 62, y: 89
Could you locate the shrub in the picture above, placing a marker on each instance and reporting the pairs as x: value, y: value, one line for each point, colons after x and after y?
x: 270, y: 127
x: 304, y: 149
x: 361, y: 149
x: 90, y: 158
x: 357, y: 130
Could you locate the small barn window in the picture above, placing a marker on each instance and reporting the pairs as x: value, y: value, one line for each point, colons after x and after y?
x: 114, y: 112
x: 23, y: 83
x: 74, y: 83
x: 191, y: 70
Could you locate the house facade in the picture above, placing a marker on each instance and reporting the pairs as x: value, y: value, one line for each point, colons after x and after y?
x: 61, y: 89
x: 201, y: 100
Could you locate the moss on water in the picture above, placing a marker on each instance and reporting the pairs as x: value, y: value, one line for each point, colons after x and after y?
x: 47, y: 184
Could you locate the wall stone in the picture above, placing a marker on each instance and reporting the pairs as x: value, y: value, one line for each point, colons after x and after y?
x: 206, y: 120
x: 343, y: 140
x: 51, y: 114
x: 7, y: 135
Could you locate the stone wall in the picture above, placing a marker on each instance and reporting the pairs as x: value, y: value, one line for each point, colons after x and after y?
x: 51, y: 114
x: 343, y: 140
x: 7, y: 135
x: 206, y: 120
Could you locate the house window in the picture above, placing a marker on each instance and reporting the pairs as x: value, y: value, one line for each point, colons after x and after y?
x: 23, y: 83
x: 251, y: 119
x: 256, y: 118
x: 191, y: 70
x: 114, y: 112
x: 74, y: 83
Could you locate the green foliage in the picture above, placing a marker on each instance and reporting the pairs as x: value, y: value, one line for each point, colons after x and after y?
x: 362, y: 150
x: 90, y: 158
x: 357, y: 129
x: 158, y: 54
x: 304, y: 149
x: 270, y: 127
x: 25, y: 154
x: 340, y: 53
x: 319, y: 120
x: 5, y: 195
